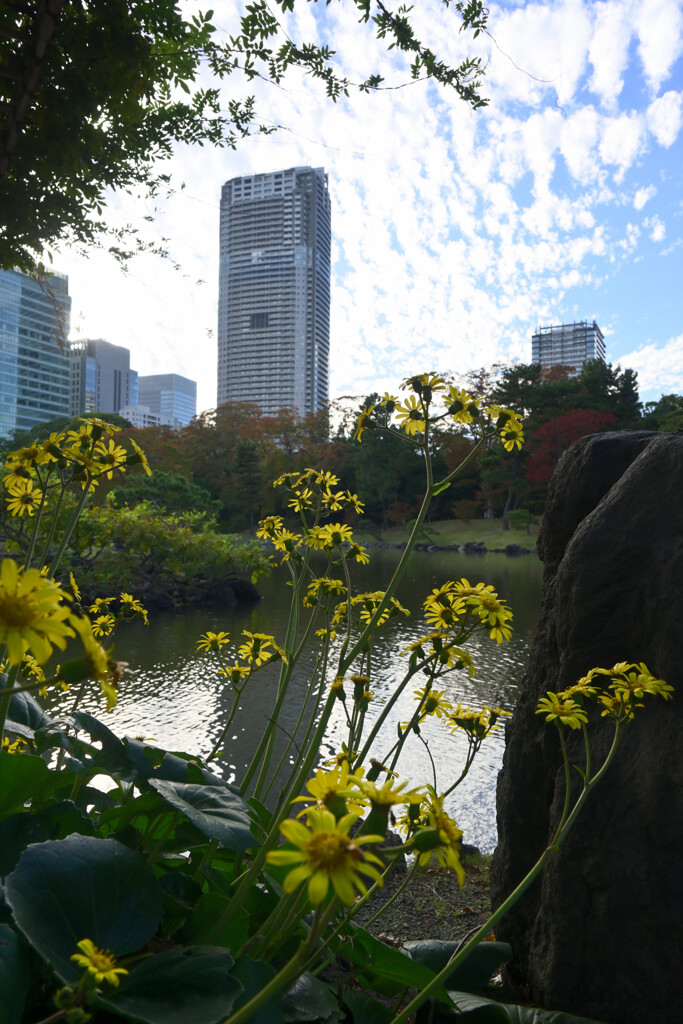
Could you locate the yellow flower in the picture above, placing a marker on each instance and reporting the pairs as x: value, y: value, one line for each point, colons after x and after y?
x: 33, y: 454
x: 101, y: 604
x: 364, y: 422
x: 110, y: 455
x: 235, y: 674
x: 256, y: 648
x: 212, y: 641
x: 388, y: 794
x: 434, y: 703
x: 411, y: 415
x: 17, y: 479
x: 74, y: 587
x: 512, y: 434
x: 131, y: 606
x: 323, y: 479
x: 358, y: 552
x: 326, y: 855
x: 355, y: 503
x: 103, y: 625
x: 22, y: 502
x: 335, y: 534
x: 33, y: 613
x: 444, y: 606
x: 269, y: 526
x: 461, y: 406
x: 334, y: 500
x: 332, y: 790
x: 477, y: 724
x: 17, y: 746
x: 139, y: 457
x: 565, y: 712
x: 98, y: 962
x: 442, y: 837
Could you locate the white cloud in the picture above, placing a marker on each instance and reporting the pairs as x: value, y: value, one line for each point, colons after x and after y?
x: 608, y: 51
x: 664, y: 117
x: 657, y: 228
x: 643, y: 195
x: 659, y: 24
x: 622, y: 141
x: 579, y: 141
x: 659, y: 367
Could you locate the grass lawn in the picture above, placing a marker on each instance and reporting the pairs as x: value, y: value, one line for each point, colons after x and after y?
x: 454, y: 531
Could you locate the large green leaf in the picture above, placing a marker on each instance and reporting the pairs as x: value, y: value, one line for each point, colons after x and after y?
x: 191, y: 985
x: 471, y: 976
x: 15, y: 975
x: 480, y: 1010
x: 309, y: 999
x: 214, y: 810
x: 382, y: 968
x: 21, y: 777
x: 55, y: 821
x: 365, y: 1009
x: 25, y: 716
x: 254, y: 975
x: 80, y: 887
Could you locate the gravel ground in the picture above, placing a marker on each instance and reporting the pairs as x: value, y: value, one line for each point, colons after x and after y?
x: 432, y: 905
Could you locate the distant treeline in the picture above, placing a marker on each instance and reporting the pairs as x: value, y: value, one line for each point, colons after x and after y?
x: 224, y: 462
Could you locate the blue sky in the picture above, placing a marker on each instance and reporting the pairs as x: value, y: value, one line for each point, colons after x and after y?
x: 456, y: 233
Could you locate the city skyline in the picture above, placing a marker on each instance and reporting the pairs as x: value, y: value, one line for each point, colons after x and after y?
x: 456, y: 233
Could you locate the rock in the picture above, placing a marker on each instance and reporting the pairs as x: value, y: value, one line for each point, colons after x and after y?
x: 600, y: 933
x: 474, y: 547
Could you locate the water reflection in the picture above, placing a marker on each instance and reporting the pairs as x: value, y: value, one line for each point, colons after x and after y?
x: 176, y: 697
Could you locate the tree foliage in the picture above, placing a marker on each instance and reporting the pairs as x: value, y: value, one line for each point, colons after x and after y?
x: 93, y: 93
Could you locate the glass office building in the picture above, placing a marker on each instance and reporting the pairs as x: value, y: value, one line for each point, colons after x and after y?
x: 170, y: 397
x: 101, y: 377
x: 34, y: 362
x: 274, y: 290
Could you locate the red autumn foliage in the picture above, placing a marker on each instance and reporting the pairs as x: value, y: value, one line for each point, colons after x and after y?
x: 554, y: 437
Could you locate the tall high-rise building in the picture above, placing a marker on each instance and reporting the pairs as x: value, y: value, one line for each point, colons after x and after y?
x: 274, y: 290
x: 101, y: 377
x: 170, y: 397
x: 34, y: 369
x: 567, y: 345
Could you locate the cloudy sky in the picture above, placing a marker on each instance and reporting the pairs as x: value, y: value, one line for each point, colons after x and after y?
x: 455, y: 233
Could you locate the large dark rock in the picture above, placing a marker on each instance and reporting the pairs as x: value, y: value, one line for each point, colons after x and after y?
x: 601, y: 932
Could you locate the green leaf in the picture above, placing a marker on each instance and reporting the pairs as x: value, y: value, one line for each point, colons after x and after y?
x: 56, y: 821
x: 309, y: 999
x: 25, y: 716
x: 471, y: 976
x: 15, y: 975
x: 76, y: 888
x: 254, y: 975
x: 180, y: 888
x: 381, y: 967
x: 214, y: 810
x: 208, y: 911
x: 440, y: 488
x: 365, y: 1009
x: 21, y: 777
x: 191, y: 985
x: 480, y: 1010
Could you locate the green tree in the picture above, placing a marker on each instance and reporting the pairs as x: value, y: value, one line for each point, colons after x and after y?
x: 168, y: 491
x: 94, y: 92
x: 665, y: 415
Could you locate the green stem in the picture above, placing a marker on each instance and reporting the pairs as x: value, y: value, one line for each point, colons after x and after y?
x: 219, y: 742
x: 559, y: 836
x: 6, y: 698
x: 69, y: 528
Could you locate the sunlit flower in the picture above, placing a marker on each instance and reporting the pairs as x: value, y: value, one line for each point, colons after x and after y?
x: 269, y: 526
x: 433, y: 703
x: 212, y: 641
x: 139, y: 457
x: 103, y: 625
x: 98, y: 962
x: 388, y: 794
x: 619, y: 706
x: 256, y: 648
x: 111, y: 455
x: 18, y: 478
x: 354, y: 502
x: 235, y: 674
x: 441, y: 838
x: 33, y: 613
x: 335, y: 534
x: 565, y: 712
x: 512, y: 434
x: 131, y: 606
x: 100, y: 604
x: 461, y: 406
x: 358, y: 552
x: 327, y: 855
x: 333, y: 790
x: 334, y: 500
x: 301, y: 500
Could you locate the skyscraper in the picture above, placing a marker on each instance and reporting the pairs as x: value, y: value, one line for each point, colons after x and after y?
x: 274, y: 290
x: 567, y: 345
x: 34, y: 370
x: 170, y: 397
x: 101, y: 377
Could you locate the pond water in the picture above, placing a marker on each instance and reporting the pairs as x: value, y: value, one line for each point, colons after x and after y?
x: 176, y: 696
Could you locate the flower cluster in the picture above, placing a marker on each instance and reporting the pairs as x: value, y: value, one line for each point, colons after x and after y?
x: 255, y: 651
x: 628, y: 684
x: 416, y: 414
x: 83, y: 457
x: 447, y: 607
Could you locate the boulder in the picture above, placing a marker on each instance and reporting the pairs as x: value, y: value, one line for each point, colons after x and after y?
x: 600, y: 933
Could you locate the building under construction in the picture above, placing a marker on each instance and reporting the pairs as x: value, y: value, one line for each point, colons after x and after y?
x: 569, y: 345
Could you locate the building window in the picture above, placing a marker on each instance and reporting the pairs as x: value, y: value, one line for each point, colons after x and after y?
x: 258, y: 321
